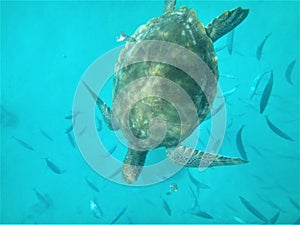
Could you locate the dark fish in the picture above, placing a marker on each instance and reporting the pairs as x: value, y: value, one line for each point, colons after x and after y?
x: 258, y: 178
x: 266, y: 94
x: 288, y: 71
x: 111, y: 151
x: 82, y: 131
x: 211, y: 114
x: 201, y: 214
x: 277, y: 130
x: 294, y: 203
x: 23, y: 143
x: 274, y: 218
x: 240, y: 145
x: 71, y: 140
x: 230, y: 207
x: 166, y: 207
x: 195, y: 197
x: 272, y: 204
x: 260, y: 47
x: 297, y: 221
x: 197, y: 183
x: 100, y: 126
x: 93, y: 186
x: 72, y: 116
x: 70, y: 128
x: 46, y: 135
x: 253, y: 210
x: 230, y: 42
x: 54, y: 167
x: 118, y: 215
x: 115, y: 173
x: 256, y: 150
x: 283, y: 188
x: 41, y: 198
x: 150, y: 202
x: 7, y: 118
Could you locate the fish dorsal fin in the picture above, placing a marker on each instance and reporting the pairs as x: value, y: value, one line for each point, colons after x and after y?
x: 169, y: 6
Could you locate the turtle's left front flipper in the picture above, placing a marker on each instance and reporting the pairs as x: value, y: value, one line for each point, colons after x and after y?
x: 225, y: 23
x: 104, y: 109
x: 189, y: 157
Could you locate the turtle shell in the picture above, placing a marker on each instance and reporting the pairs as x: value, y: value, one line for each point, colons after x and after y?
x: 181, y: 27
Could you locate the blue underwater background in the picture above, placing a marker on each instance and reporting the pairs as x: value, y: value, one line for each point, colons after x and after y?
x: 46, y: 46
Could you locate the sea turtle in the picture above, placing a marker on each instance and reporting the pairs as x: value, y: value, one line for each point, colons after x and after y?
x: 180, y: 26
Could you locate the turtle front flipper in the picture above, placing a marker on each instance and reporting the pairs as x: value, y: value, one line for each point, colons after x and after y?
x: 169, y: 6
x: 225, y: 23
x: 133, y: 165
x: 104, y: 109
x: 189, y: 157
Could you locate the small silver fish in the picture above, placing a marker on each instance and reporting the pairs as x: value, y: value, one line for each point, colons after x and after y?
x: 230, y: 92
x: 172, y: 188
x: 217, y: 49
x: 239, y: 220
x: 124, y: 37
x: 95, y: 209
x: 256, y: 82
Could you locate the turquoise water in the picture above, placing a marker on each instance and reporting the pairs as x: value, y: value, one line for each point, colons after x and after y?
x: 45, y: 49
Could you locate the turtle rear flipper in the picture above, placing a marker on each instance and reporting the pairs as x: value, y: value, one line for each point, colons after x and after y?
x: 225, y: 23
x: 189, y: 157
x: 133, y: 165
x: 104, y: 109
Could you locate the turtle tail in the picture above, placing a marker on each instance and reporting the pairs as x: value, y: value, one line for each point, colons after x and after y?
x: 133, y: 165
x: 189, y: 157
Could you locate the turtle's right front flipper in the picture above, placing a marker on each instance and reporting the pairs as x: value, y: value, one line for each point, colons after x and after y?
x: 104, y: 109
x: 225, y: 23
